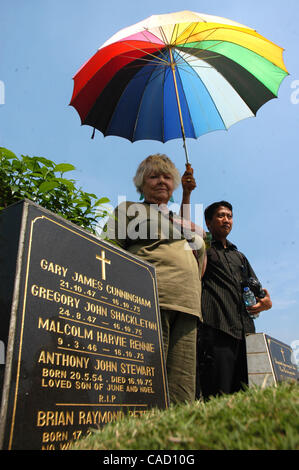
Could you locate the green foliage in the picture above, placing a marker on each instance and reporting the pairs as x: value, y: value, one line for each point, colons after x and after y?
x: 43, y: 181
x: 254, y: 419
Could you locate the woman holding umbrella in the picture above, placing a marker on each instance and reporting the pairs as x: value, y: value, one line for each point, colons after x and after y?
x: 161, y: 238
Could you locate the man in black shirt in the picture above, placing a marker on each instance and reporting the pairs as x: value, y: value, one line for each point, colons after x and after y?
x: 226, y: 320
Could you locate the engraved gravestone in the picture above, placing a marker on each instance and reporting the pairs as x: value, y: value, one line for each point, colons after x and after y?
x: 269, y: 361
x: 81, y: 329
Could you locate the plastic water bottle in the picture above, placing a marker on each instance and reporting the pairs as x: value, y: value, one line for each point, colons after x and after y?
x: 249, y: 297
x: 249, y: 300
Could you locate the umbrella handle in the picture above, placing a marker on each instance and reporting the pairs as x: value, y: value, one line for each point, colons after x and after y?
x: 186, y: 151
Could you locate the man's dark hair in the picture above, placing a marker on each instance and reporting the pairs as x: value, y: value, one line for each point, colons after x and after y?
x: 210, y: 210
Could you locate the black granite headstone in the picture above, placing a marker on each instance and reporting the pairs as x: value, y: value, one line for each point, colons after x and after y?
x: 281, y: 358
x: 269, y: 361
x: 81, y: 328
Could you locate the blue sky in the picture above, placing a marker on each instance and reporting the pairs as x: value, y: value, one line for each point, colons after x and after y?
x: 254, y: 165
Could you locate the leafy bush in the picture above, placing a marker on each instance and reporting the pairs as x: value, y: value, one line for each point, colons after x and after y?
x: 43, y: 181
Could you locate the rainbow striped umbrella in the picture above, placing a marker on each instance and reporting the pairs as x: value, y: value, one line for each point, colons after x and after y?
x: 177, y: 75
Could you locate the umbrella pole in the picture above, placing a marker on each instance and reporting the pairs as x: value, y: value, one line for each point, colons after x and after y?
x: 172, y: 64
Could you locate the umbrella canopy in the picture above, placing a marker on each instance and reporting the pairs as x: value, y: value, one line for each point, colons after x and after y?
x: 177, y: 75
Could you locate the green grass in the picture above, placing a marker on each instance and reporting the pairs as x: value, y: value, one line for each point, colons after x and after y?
x: 251, y: 420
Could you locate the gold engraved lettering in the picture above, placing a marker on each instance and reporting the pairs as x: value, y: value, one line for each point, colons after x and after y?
x: 83, y: 385
x: 115, y: 388
x: 54, y: 296
x: 106, y: 365
x: 107, y: 398
x: 132, y: 388
x: 137, y: 413
x: 56, y: 383
x: 137, y: 369
x: 65, y: 360
x: 88, y: 281
x: 53, y: 268
x: 55, y: 436
x: 282, y: 353
x: 141, y: 345
x: 97, y: 417
x: 54, y: 418
x: 98, y: 309
x: 112, y: 290
x: 120, y: 380
x: 54, y: 373
x: 144, y: 389
x: 133, y: 320
x: 103, y: 260
x: 110, y: 338
x: 67, y: 329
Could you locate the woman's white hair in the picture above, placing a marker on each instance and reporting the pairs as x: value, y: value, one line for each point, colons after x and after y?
x: 158, y: 163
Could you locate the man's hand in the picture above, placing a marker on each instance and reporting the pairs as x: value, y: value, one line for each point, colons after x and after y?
x: 261, y: 305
